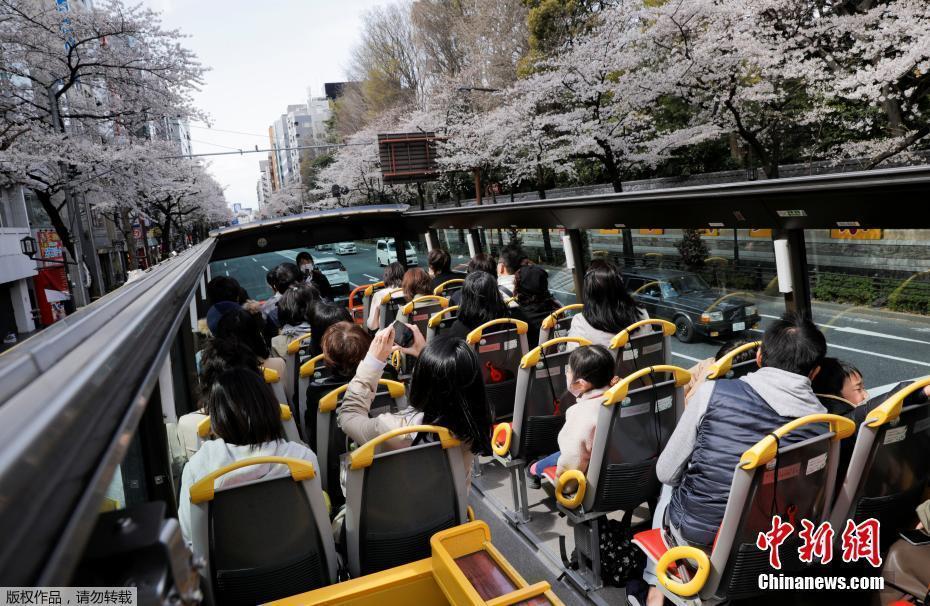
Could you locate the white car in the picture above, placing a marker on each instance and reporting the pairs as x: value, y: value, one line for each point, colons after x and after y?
x: 387, y: 253
x: 334, y: 270
x: 346, y: 248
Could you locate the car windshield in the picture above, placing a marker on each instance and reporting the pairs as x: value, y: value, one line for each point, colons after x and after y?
x: 391, y: 246
x: 329, y: 265
x: 682, y: 285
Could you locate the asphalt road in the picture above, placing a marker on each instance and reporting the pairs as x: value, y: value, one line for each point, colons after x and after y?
x: 886, y: 346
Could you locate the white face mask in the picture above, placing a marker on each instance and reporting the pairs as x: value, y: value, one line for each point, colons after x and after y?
x: 570, y: 381
x: 307, y: 268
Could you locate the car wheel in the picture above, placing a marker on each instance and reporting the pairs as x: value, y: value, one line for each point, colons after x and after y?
x: 684, y: 329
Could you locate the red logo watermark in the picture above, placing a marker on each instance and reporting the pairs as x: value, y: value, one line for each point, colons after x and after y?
x: 859, y: 541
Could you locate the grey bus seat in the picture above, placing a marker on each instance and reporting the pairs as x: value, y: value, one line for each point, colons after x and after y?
x: 538, y: 416
x: 389, y: 308
x: 806, y: 471
x: 295, y: 347
x: 312, y: 370
x: 273, y: 379
x: 635, y: 350
x: 558, y: 323
x: 633, y: 426
x: 448, y: 287
x: 441, y: 321
x: 418, y: 313
x: 500, y: 345
x: 205, y: 429
x: 366, y: 299
x: 890, y: 466
x: 724, y: 368
x: 265, y: 539
x: 398, y: 499
x: 332, y: 443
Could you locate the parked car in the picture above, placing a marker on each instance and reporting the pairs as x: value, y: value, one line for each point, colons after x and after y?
x: 335, y: 272
x: 322, y: 247
x: 687, y: 300
x: 386, y: 253
x: 346, y: 248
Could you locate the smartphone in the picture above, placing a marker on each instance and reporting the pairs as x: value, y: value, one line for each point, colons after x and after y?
x: 915, y: 537
x: 403, y: 336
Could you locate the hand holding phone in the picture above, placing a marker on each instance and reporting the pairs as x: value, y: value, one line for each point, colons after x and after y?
x: 403, y: 336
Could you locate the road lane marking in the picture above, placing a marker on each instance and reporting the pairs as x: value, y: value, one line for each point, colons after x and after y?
x: 862, y: 331
x: 254, y: 259
x: 227, y: 273
x: 370, y: 277
x: 681, y: 355
x: 564, y: 292
x: 265, y: 268
x: 870, y: 353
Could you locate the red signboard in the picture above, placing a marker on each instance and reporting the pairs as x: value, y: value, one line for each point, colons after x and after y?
x: 51, y: 282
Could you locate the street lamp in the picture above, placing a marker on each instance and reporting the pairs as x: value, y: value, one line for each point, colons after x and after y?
x: 28, y: 246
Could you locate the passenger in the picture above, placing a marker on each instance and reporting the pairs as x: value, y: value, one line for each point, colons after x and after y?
x: 416, y: 283
x: 344, y: 347
x: 531, y: 285
x: 282, y: 278
x: 445, y: 389
x: 511, y: 260
x: 440, y: 267
x: 841, y: 390
x: 590, y: 373
x: 312, y: 275
x: 224, y: 288
x: 699, y: 371
x: 324, y: 316
x: 480, y: 262
x: 231, y: 324
x: 481, y: 302
x: 393, y: 278
x: 245, y: 417
x: 608, y: 307
x: 295, y: 313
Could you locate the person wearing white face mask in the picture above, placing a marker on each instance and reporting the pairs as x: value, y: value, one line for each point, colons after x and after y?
x: 589, y: 374
x: 313, y: 275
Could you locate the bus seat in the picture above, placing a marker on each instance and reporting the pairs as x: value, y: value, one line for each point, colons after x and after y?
x: 448, y: 287
x: 634, y: 348
x: 889, y: 468
x: 390, y: 306
x: 311, y: 369
x: 265, y: 539
x: 398, y: 499
x: 204, y: 428
x: 633, y: 426
x: 418, y: 313
x: 441, y: 321
x: 273, y: 379
x: 366, y: 299
x: 731, y: 570
x: 558, y: 322
x: 500, y: 345
x: 538, y: 416
x: 332, y: 443
x: 356, y: 304
x: 725, y: 369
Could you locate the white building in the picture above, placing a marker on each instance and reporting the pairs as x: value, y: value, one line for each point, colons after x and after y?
x: 16, y: 269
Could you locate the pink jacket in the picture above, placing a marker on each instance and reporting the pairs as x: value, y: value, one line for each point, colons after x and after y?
x: 577, y: 436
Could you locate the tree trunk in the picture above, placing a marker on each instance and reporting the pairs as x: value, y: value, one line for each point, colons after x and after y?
x: 58, y: 222
x: 610, y: 165
x: 547, y: 245
x: 132, y: 246
x: 166, y: 238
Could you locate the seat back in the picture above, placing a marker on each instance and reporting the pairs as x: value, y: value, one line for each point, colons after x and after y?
x: 205, y: 429
x: 398, y: 499
x: 558, y: 322
x: 367, y: 294
x: 332, y: 443
x: 389, y: 307
x: 500, y: 345
x: 541, y: 398
x: 419, y: 311
x: 889, y: 468
x: 265, y: 539
x: 356, y: 303
x: 794, y: 482
x: 633, y: 427
x: 641, y: 345
x: 448, y: 287
x: 274, y: 379
x: 724, y: 368
x: 312, y: 370
x: 441, y: 321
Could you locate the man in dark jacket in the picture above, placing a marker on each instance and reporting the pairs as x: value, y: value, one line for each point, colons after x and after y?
x: 439, y: 263
x: 313, y: 275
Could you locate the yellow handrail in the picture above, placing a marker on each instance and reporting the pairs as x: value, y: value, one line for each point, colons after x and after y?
x: 721, y: 367
x: 503, y: 447
x: 365, y: 454
x: 203, y: 490
x: 294, y: 346
x: 532, y: 356
x: 409, y: 307
x: 620, y: 339
x: 551, y: 319
x: 371, y: 288
x: 309, y: 367
x: 890, y: 409
x: 330, y: 401
x: 204, y: 426
x: 437, y: 317
x: 439, y: 289
x: 577, y: 499
x: 475, y: 335
x: 683, y: 552
x: 766, y: 449
x: 270, y: 375
x: 618, y: 392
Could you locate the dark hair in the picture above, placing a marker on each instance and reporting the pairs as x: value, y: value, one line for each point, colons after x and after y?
x: 393, y: 275
x: 284, y: 276
x: 733, y: 344
x: 608, y: 306
x: 344, y: 346
x: 416, y: 282
x: 594, y: 364
x: 531, y: 287
x: 243, y: 410
x: 296, y: 304
x: 324, y: 316
x: 512, y: 256
x: 219, y: 355
x: 439, y: 261
x: 224, y: 288
x: 483, y: 262
x: 447, y: 387
x: 793, y: 343
x: 481, y: 300
x: 243, y: 329
x: 304, y: 256
x: 832, y: 376
x: 269, y: 278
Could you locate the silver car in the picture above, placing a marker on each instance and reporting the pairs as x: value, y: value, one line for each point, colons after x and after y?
x: 346, y: 248
x: 335, y: 272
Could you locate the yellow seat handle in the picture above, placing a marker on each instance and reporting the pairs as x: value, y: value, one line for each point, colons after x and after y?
x: 620, y: 339
x: 370, y: 290
x: 205, y: 427
x: 683, y: 552
x: 364, y: 455
x: 551, y: 319
x: 270, y: 375
x: 721, y: 367
x: 439, y: 289
x: 330, y: 401
x: 890, y: 409
x: 294, y: 346
x: 309, y: 367
x: 203, y: 490
x: 577, y: 499
x: 618, y: 392
x: 475, y: 336
x: 531, y: 358
x: 437, y: 317
x: 501, y: 439
x: 766, y: 449
x: 409, y: 307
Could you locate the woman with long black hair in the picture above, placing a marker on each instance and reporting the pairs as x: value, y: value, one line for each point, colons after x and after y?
x: 481, y: 302
x: 608, y: 307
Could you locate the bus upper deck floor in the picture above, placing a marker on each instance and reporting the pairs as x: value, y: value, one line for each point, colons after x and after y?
x: 109, y: 377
